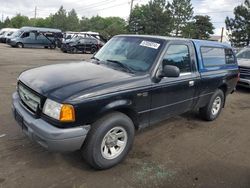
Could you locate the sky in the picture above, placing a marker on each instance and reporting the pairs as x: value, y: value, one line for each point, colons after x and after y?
x: 216, y: 9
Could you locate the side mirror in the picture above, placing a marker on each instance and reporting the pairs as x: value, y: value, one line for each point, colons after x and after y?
x: 167, y: 71
x: 170, y: 71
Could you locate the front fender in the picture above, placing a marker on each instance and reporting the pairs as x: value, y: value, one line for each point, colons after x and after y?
x: 117, y: 104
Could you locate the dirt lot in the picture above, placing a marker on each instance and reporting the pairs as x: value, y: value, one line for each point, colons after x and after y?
x: 181, y: 152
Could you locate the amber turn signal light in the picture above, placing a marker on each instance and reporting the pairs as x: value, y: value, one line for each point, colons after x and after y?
x: 67, y: 113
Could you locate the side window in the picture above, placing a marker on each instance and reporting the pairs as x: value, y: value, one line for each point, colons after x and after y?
x: 212, y: 56
x: 82, y: 41
x: 230, y: 59
x: 32, y: 35
x: 178, y: 55
x: 24, y: 35
x: 40, y: 36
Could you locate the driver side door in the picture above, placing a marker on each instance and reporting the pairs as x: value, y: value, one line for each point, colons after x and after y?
x: 172, y: 96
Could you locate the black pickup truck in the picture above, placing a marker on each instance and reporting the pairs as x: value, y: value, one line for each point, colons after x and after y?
x: 132, y: 82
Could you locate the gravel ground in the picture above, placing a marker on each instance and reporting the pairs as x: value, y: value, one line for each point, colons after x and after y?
x: 183, y: 151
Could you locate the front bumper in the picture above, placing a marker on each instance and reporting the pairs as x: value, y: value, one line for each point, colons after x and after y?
x: 244, y: 82
x: 45, y: 134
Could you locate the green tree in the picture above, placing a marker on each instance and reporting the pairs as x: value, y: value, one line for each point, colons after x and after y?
x: 1, y: 24
x: 239, y: 26
x: 200, y: 28
x: 152, y: 18
x: 85, y: 24
x: 19, y: 21
x: 7, y: 23
x: 72, y: 21
x: 59, y: 19
x: 107, y: 27
x: 182, y: 12
x: 41, y: 22
x: 113, y: 26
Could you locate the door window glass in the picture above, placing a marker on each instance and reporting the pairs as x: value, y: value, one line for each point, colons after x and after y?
x: 178, y: 55
x: 230, y: 59
x: 27, y: 34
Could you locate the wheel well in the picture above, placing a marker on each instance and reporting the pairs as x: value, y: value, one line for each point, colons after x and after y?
x: 224, y: 89
x: 131, y: 114
x: 19, y: 43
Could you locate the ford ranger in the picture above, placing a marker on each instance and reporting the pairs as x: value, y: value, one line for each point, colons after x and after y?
x: 134, y: 81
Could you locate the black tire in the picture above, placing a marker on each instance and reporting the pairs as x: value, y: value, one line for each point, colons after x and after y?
x: 74, y: 50
x: 52, y: 46
x: 208, y: 112
x: 19, y: 45
x: 92, y: 148
x: 93, y: 50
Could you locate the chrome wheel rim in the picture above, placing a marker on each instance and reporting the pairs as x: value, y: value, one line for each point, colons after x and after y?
x: 114, y: 142
x: 216, y: 105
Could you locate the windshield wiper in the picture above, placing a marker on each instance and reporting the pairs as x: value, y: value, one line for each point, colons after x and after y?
x: 95, y: 58
x: 124, y: 66
x: 97, y: 61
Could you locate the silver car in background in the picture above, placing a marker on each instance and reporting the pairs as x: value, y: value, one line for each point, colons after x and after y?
x: 243, y: 57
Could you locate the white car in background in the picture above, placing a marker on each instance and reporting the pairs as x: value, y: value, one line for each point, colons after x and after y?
x: 243, y: 57
x: 6, y: 32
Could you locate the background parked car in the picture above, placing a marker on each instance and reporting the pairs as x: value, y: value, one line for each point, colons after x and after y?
x: 13, y: 35
x: 37, y: 37
x: 5, y: 33
x: 244, y: 65
x: 82, y: 44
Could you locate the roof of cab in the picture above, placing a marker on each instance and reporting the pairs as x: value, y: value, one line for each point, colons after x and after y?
x: 197, y: 43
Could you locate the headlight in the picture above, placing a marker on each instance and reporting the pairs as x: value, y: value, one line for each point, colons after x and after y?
x: 61, y: 112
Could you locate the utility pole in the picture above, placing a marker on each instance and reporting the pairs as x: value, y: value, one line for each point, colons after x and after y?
x: 131, y: 8
x: 222, y: 33
x: 2, y: 18
x: 35, y: 12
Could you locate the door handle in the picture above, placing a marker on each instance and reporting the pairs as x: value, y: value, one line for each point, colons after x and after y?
x: 191, y: 83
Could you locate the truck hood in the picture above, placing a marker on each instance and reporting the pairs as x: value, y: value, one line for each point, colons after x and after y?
x: 244, y: 63
x: 62, y: 81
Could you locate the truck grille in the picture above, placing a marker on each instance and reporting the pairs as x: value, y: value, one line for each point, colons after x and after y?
x: 29, y: 98
x: 245, y: 72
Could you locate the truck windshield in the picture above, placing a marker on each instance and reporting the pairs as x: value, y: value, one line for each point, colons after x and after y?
x: 244, y: 54
x: 135, y: 53
x: 17, y: 33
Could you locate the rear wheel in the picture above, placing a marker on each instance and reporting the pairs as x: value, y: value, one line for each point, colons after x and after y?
x: 19, y: 45
x: 74, y: 50
x: 93, y: 50
x: 212, y: 110
x: 52, y: 46
x: 109, y: 141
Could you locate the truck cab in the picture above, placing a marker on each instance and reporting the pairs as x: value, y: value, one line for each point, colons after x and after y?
x: 134, y: 81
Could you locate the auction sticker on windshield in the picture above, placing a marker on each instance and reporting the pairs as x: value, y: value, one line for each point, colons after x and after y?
x: 150, y: 44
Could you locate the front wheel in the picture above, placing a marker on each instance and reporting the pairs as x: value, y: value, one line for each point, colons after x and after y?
x: 52, y: 46
x: 19, y: 45
x: 109, y: 141
x: 212, y: 110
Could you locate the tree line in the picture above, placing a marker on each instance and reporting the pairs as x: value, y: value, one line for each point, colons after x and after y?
x: 239, y: 26
x: 157, y: 17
